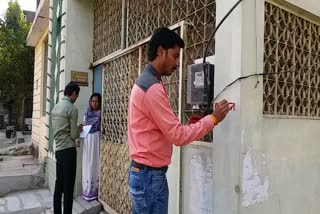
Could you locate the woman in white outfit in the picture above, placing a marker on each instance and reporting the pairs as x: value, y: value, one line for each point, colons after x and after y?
x: 91, y: 149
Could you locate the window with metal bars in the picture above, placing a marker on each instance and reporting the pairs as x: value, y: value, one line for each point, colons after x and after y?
x: 140, y: 19
x: 292, y: 50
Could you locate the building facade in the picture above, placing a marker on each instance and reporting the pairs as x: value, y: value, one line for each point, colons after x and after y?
x: 38, y: 38
x: 263, y: 149
x: 263, y: 158
x: 62, y: 35
x: 70, y: 54
x: 265, y: 154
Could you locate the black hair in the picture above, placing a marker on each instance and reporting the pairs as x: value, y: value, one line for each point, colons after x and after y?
x: 165, y: 38
x: 98, y: 96
x: 70, y: 88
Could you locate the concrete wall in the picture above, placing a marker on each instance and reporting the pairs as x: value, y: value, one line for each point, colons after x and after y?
x: 38, y: 120
x: 79, y: 48
x: 261, y: 165
x: 282, y: 153
x: 51, y: 173
x: 197, y: 178
x: 173, y: 177
x: 227, y: 135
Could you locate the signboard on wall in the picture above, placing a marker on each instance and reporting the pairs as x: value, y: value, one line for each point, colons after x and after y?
x: 81, y: 78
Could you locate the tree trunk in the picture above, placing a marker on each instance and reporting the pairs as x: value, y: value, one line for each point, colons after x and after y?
x: 22, y: 111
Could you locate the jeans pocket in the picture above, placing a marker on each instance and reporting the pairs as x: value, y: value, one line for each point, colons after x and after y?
x: 159, y: 184
x: 137, y: 193
x: 160, y: 192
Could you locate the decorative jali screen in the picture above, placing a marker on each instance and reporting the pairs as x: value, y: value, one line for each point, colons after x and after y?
x: 200, y: 15
x: 107, y: 27
x: 137, y: 22
x: 292, y: 46
x: 119, y: 77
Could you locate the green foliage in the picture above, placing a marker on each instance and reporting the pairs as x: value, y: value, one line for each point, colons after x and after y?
x: 16, y: 59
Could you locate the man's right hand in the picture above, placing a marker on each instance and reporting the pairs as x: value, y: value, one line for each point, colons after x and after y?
x: 80, y: 128
x: 221, y: 109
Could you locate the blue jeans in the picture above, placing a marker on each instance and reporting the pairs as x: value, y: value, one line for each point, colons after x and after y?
x: 149, y: 191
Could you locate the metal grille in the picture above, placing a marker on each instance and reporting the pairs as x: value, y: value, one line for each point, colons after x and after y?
x: 145, y: 16
x: 113, y: 185
x: 200, y: 16
x: 171, y: 85
x: 107, y: 27
x: 119, y: 78
x: 291, y: 44
x: 144, y: 56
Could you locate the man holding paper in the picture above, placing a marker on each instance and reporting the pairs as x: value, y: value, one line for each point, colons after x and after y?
x: 65, y: 131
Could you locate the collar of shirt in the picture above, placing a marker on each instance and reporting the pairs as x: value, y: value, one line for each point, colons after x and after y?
x: 151, y: 69
x: 66, y: 98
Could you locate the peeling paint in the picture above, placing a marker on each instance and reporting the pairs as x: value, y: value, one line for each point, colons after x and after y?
x: 254, y: 190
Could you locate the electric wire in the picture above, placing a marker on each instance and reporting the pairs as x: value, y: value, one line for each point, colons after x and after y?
x: 307, y: 68
x: 293, y: 70
x: 216, y: 29
x: 206, y: 51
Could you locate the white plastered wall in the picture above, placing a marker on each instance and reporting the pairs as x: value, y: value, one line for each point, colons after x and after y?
x: 78, y: 56
x: 261, y: 164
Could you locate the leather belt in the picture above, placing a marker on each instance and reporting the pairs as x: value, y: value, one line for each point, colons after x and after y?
x: 145, y: 167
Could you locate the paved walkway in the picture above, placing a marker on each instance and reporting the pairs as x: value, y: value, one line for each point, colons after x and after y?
x: 39, y: 201
x: 26, y: 202
x: 22, y: 174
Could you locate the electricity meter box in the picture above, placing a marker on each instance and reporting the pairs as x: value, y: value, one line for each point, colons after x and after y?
x: 200, y: 84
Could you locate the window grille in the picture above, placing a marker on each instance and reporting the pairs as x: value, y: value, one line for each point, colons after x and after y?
x: 291, y: 43
x: 107, y: 27
x: 141, y: 18
x: 119, y: 77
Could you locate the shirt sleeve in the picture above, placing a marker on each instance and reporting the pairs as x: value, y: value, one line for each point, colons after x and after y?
x: 158, y: 108
x: 74, y: 133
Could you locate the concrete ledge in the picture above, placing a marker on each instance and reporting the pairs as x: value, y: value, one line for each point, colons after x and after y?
x: 91, y: 207
x: 96, y: 207
x: 20, y: 173
x: 16, y: 183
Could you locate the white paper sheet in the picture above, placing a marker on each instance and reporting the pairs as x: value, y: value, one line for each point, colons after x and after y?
x: 85, y: 131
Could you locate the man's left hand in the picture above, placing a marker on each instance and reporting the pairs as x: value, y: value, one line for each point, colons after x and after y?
x: 80, y: 128
x: 78, y: 142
